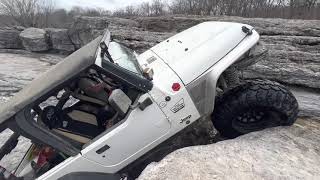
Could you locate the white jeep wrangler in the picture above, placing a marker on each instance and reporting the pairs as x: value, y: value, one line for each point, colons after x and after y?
x: 101, y: 110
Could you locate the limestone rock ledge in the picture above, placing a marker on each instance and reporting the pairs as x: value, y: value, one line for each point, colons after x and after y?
x: 278, y: 153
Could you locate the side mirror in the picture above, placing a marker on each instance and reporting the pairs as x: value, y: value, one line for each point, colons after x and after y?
x: 120, y: 101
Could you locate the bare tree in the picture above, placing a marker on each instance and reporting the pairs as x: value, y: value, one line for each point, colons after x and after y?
x: 157, y: 7
x: 60, y: 19
x: 28, y: 12
x: 45, y: 11
x: 76, y: 11
x: 22, y: 11
x: 144, y: 9
x: 131, y: 11
x: 79, y: 11
x: 103, y: 12
x: 305, y: 9
x: 248, y: 8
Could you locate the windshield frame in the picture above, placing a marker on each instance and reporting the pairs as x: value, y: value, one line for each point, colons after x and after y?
x: 136, y: 80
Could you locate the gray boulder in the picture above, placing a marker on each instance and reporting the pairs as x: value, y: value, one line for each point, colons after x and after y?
x: 60, y: 40
x: 85, y: 29
x: 278, y: 153
x: 9, y: 38
x: 34, y: 39
x: 137, y: 39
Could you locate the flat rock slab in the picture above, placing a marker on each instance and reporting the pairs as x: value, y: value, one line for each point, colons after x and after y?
x: 17, y: 70
x: 278, y: 153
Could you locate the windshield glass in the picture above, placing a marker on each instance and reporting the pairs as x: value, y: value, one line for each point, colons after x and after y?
x: 124, y: 57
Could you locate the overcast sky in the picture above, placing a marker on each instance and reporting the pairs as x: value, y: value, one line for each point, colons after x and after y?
x: 106, y: 4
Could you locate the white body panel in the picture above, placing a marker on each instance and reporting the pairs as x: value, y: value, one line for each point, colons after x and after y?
x: 140, y: 132
x: 144, y: 130
x: 192, y: 52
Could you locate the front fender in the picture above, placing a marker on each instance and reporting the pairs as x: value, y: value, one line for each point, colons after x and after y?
x: 203, y: 89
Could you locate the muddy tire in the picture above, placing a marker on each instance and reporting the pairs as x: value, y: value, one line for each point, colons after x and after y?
x: 253, y: 106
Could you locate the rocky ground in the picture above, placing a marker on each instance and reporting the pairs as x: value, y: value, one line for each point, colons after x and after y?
x: 16, y: 70
x: 278, y: 153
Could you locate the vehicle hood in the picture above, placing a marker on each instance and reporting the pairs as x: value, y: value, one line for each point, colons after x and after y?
x: 50, y: 80
x: 195, y: 50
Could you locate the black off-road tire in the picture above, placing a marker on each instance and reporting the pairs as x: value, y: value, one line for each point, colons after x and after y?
x: 252, y: 106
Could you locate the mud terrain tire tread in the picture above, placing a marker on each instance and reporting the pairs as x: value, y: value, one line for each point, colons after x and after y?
x: 252, y: 94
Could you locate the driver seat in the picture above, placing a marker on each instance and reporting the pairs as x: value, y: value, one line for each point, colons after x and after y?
x: 81, y: 122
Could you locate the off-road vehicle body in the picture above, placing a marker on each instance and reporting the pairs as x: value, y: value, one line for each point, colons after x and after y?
x: 103, y: 107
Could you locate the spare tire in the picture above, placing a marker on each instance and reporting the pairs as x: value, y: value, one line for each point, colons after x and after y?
x: 253, y: 106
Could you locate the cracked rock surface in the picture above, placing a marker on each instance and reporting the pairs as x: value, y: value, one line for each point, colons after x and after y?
x: 292, y: 60
x: 60, y: 40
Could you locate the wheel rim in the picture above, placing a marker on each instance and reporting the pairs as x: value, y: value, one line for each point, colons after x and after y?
x: 256, y: 119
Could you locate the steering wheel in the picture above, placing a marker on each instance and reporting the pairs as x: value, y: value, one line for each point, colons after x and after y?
x: 51, y: 116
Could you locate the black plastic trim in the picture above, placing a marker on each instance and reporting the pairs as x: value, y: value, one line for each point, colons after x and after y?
x: 90, y: 175
x: 4, y: 125
x: 30, y: 128
x: 103, y: 149
x: 147, y: 102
